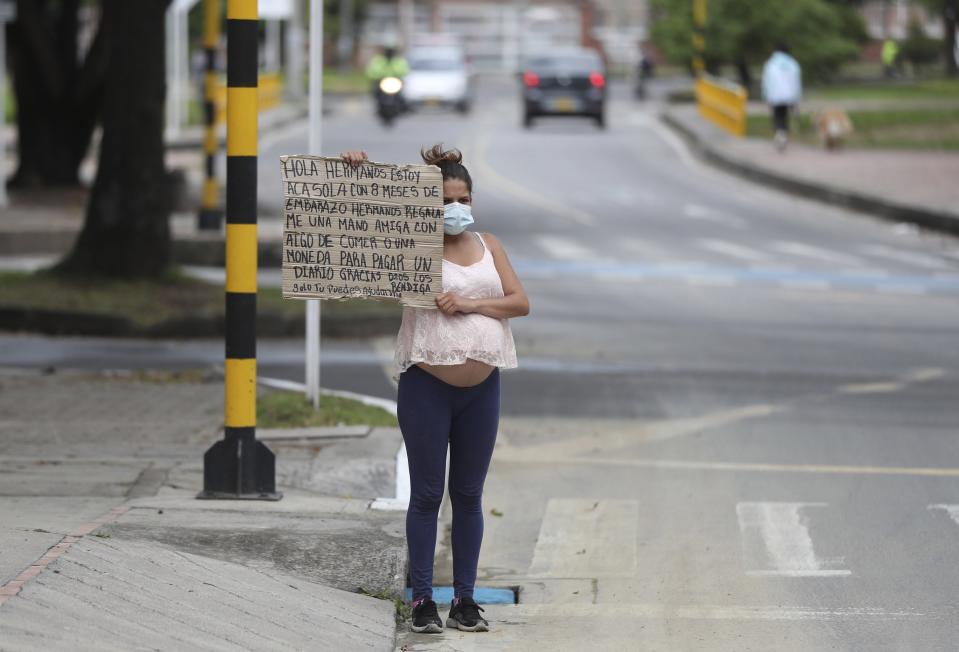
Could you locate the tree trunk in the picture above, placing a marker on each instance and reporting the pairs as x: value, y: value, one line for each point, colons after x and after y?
x: 57, y: 97
x: 745, y: 78
x: 126, y: 232
x: 950, y: 16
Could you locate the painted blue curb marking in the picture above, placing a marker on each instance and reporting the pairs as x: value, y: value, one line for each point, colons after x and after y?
x: 444, y: 595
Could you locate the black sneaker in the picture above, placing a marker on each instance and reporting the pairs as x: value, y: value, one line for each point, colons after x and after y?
x: 465, y: 616
x: 426, y: 619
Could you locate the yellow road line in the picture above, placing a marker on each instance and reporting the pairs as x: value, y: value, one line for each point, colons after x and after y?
x: 748, y: 467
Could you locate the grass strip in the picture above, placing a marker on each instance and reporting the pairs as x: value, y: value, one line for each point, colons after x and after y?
x: 932, y: 89
x: 894, y: 129
x: 280, y: 409
x: 352, y: 82
x: 147, y: 302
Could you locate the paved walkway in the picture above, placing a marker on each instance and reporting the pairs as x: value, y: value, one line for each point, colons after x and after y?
x: 920, y: 180
x: 105, y: 546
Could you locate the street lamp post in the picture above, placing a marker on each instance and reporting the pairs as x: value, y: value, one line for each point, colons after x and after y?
x: 315, y: 117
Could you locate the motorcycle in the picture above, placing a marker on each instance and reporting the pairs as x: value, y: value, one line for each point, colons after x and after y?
x: 389, y: 99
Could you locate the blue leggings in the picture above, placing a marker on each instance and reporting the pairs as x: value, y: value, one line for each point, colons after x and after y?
x: 433, y: 413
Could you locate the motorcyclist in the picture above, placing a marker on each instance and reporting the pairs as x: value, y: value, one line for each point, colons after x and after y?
x: 389, y: 99
x: 386, y: 64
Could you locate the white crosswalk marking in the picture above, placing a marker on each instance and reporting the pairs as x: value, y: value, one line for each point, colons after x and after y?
x: 952, y: 510
x: 706, y: 214
x: 817, y: 253
x: 776, y: 541
x: 908, y: 257
x: 648, y: 251
x: 586, y: 538
x: 564, y: 248
x: 733, y: 250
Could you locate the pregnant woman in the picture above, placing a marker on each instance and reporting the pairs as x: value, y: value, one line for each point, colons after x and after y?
x: 448, y: 362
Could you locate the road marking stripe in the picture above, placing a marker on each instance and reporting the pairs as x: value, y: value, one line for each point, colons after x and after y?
x: 733, y: 250
x: 805, y: 284
x: 643, y: 248
x: 776, y: 541
x: 921, y: 375
x: 924, y: 374
x: 892, y: 288
x: 747, y: 467
x: 871, y: 388
x: 864, y: 272
x: 563, y: 248
x: 711, y: 281
x: 908, y: 257
x: 817, y: 253
x: 798, y: 573
x: 706, y: 214
x: 586, y: 538
x: 952, y: 510
x: 531, y: 613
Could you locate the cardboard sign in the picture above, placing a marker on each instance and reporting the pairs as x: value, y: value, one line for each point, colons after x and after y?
x: 374, y: 231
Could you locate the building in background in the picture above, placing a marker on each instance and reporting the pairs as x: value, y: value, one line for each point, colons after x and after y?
x: 620, y: 26
x: 494, y: 33
x: 891, y: 18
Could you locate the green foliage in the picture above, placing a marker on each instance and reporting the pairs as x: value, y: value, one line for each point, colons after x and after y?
x: 403, y: 610
x: 822, y: 35
x: 919, y: 49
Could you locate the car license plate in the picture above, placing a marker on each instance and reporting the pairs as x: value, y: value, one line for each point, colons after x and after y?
x: 431, y: 101
x: 564, y: 105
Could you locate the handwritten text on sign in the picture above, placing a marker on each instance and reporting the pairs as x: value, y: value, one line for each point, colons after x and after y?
x: 371, y: 231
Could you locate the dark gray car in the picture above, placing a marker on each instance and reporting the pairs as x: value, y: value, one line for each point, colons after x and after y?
x: 568, y: 82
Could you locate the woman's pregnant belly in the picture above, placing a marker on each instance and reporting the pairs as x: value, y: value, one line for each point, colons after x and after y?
x: 472, y: 372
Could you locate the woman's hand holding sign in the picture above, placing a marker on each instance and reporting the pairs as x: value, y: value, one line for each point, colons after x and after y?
x: 354, y: 157
x: 451, y: 303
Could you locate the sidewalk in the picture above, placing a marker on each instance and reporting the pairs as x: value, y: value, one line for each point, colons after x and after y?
x: 905, y: 186
x: 105, y: 546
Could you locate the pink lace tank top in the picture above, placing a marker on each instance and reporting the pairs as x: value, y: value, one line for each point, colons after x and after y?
x: 433, y: 337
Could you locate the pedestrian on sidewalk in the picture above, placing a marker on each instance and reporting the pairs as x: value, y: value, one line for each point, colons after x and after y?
x: 448, y: 363
x: 782, y: 89
x: 890, y: 57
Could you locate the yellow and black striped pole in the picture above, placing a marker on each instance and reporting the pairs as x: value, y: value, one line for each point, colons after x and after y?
x: 699, y: 36
x: 240, y: 466
x: 210, y: 215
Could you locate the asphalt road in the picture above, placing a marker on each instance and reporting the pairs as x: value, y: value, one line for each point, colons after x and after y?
x: 734, y: 422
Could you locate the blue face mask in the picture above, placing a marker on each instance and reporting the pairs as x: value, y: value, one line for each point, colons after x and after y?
x: 456, y: 217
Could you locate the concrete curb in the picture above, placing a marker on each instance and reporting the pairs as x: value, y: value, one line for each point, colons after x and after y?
x: 400, y: 501
x: 889, y: 210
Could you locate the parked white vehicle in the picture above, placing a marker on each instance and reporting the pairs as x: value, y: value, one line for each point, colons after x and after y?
x: 439, y: 75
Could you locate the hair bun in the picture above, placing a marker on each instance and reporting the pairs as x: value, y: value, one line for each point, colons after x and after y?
x: 436, y: 155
